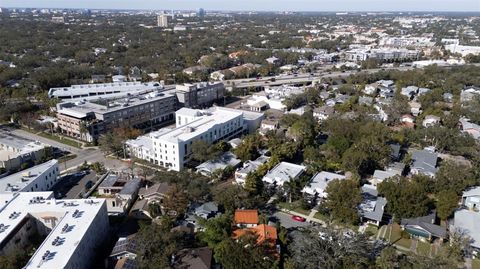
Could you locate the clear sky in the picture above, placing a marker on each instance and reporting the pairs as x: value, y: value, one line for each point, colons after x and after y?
x: 260, y: 5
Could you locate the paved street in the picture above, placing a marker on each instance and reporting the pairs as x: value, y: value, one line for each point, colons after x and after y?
x: 287, y: 221
x: 89, y: 155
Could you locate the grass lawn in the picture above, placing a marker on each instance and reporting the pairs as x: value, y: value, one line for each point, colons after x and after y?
x: 371, y: 229
x: 406, y: 243
x: 321, y: 216
x: 423, y: 248
x: 475, y: 264
x: 62, y: 140
x: 294, y: 207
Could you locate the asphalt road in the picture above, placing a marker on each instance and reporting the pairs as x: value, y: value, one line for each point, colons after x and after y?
x: 89, y: 155
x: 287, y: 221
x: 302, y: 78
x: 71, y: 186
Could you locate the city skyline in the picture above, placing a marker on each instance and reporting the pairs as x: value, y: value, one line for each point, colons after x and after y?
x: 265, y: 5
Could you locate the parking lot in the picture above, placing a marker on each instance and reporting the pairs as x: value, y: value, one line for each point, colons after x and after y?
x: 71, y: 186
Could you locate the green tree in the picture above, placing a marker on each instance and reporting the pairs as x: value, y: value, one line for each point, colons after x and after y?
x: 216, y: 229
x: 446, y: 203
x: 243, y: 253
x: 248, y: 149
x: 406, y: 198
x: 253, y: 183
x: 343, y: 197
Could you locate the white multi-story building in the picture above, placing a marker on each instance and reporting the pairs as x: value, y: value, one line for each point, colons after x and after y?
x: 162, y: 20
x: 74, y: 229
x: 38, y: 178
x: 171, y: 147
x: 14, y: 151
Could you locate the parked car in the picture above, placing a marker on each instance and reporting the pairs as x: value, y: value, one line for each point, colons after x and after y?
x: 298, y: 218
x: 89, y: 184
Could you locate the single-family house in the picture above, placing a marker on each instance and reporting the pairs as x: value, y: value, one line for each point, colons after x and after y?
x: 206, y: 210
x: 372, y: 207
x: 424, y: 162
x: 125, y: 247
x: 365, y: 100
x: 466, y: 220
x: 409, y: 91
x: 470, y: 128
x: 119, y: 192
x: 408, y: 120
x: 193, y: 258
x: 371, y: 89
x: 471, y: 199
x: 246, y: 218
x: 415, y: 108
x: 228, y: 159
x: 248, y: 167
x: 268, y: 125
x: 424, y: 228
x: 318, y: 184
x: 324, y: 112
x: 380, y: 175
x: 283, y: 172
x: 272, y: 60
x: 430, y: 120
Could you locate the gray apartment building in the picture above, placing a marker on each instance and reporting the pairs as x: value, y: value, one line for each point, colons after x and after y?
x: 87, y: 120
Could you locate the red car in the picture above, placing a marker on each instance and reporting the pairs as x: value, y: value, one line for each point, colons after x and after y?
x: 298, y: 218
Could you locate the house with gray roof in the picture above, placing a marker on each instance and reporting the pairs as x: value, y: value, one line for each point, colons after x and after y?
x: 206, y: 210
x: 209, y: 167
x: 424, y: 228
x: 120, y: 193
x: 372, y: 207
x: 466, y: 219
x: 248, y: 167
x: 424, y: 162
x: 470, y: 128
x: 471, y: 199
x: 318, y: 184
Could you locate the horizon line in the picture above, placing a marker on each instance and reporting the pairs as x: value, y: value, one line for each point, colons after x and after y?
x: 233, y: 10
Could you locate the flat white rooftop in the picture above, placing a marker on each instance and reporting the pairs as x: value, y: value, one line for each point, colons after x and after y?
x: 199, y: 126
x: 18, y: 181
x: 74, y: 220
x: 12, y: 146
x: 101, y: 89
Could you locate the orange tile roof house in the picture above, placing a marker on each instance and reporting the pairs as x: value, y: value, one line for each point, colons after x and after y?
x: 246, y: 218
x: 264, y: 233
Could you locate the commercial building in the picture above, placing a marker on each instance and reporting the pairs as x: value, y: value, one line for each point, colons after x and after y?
x: 162, y: 20
x: 103, y: 90
x: 88, y: 120
x: 14, y: 151
x: 38, y: 178
x: 172, y: 147
x: 384, y: 55
x: 200, y: 94
x: 73, y: 229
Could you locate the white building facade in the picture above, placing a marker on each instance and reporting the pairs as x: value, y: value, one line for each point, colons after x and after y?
x: 171, y: 148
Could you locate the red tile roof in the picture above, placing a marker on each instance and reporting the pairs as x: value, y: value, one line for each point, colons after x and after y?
x: 246, y: 216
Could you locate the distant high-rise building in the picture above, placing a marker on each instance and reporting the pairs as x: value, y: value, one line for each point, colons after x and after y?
x: 201, y: 13
x: 162, y: 20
